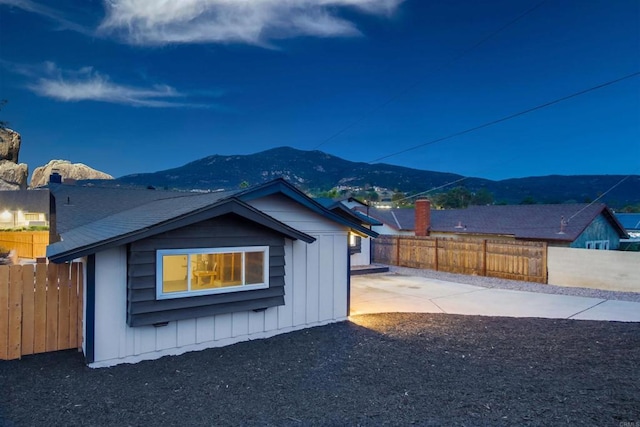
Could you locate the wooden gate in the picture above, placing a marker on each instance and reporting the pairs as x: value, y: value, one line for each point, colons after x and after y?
x: 40, y: 308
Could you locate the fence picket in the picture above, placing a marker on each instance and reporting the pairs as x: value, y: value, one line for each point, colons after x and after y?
x: 52, y: 307
x: 40, y: 309
x: 28, y: 309
x: 4, y: 313
x: 73, y: 306
x: 15, y: 311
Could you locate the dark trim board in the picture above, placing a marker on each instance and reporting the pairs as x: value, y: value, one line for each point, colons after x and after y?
x: 90, y: 314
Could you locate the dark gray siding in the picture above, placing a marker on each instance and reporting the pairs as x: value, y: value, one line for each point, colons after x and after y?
x: 224, y: 231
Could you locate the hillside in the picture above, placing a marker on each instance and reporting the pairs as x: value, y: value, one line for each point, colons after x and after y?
x: 317, y: 171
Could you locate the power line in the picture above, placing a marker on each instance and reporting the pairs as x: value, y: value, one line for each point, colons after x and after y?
x: 600, y: 197
x: 509, y: 117
x: 417, y: 82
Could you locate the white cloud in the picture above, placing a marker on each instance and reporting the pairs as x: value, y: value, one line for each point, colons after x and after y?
x: 158, y: 22
x: 87, y: 84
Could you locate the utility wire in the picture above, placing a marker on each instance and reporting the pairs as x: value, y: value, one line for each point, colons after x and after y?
x: 600, y: 197
x: 417, y: 82
x: 512, y: 116
x: 502, y: 120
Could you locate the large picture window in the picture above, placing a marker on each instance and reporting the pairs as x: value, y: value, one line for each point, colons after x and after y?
x: 192, y: 272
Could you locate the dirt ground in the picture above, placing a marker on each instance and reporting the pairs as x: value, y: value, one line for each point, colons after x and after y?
x: 383, y: 369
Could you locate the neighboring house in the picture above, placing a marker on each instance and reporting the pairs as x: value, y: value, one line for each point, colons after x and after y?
x: 24, y: 208
x: 170, y: 272
x: 359, y: 246
x: 631, y: 223
x: 393, y: 221
x: 590, y: 226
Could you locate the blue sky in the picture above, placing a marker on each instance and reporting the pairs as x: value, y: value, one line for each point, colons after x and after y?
x: 130, y: 86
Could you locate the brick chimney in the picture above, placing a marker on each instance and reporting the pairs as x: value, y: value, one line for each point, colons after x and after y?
x: 423, y: 217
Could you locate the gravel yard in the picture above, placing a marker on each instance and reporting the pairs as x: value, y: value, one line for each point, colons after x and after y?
x: 394, y: 369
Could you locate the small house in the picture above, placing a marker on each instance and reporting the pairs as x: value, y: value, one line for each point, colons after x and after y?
x: 169, y: 272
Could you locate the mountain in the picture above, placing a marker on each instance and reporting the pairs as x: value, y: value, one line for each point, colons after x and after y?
x: 318, y: 171
x: 310, y: 170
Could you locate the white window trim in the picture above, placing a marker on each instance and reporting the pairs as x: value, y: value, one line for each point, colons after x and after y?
x: 197, y: 251
x: 597, y: 244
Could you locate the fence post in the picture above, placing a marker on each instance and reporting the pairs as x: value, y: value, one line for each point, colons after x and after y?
x: 435, y: 263
x: 545, y: 272
x: 398, y: 251
x: 484, y: 257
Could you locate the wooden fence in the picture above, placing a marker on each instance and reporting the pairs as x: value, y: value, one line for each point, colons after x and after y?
x: 27, y: 244
x: 40, y: 308
x: 514, y: 260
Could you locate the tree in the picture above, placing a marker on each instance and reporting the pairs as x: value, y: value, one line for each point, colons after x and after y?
x: 399, y: 199
x: 529, y: 200
x: 631, y: 209
x: 456, y: 198
x: 482, y: 197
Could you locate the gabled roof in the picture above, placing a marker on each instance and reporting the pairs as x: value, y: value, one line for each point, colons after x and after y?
x: 532, y: 222
x: 283, y: 187
x: 339, y: 208
x: 157, y: 217
x: 79, y: 205
x: 94, y: 218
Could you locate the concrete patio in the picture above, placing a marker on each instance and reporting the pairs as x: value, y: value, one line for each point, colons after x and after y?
x: 382, y: 293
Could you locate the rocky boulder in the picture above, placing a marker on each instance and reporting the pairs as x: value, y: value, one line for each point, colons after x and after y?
x: 9, y: 144
x: 13, y: 176
x: 68, y: 170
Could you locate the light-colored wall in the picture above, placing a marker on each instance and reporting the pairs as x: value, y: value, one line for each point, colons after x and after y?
x: 609, y: 270
x: 364, y: 256
x: 315, y: 294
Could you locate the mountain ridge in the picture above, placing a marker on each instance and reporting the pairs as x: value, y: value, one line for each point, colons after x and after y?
x: 316, y: 171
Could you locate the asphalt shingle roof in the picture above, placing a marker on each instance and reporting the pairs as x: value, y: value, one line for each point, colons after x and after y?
x: 541, y: 222
x: 77, y: 205
x: 132, y: 220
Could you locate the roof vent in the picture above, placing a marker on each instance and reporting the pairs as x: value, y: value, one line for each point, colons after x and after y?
x: 459, y: 225
x: 563, y: 224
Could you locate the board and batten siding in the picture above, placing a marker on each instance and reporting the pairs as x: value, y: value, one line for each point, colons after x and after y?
x: 316, y: 280
x: 227, y: 231
x: 599, y: 229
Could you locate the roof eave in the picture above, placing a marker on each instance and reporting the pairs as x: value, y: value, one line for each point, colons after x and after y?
x: 223, y: 207
x: 281, y: 186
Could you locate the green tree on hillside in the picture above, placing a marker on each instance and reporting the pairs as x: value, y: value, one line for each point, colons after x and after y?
x: 482, y: 197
